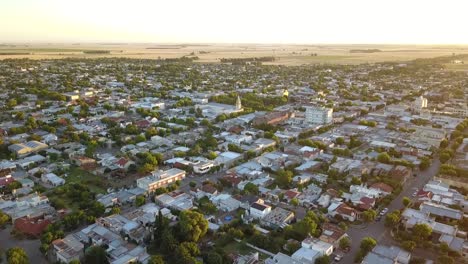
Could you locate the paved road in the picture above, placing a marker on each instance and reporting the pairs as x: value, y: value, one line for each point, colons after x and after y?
x: 31, y: 246
x: 377, y: 230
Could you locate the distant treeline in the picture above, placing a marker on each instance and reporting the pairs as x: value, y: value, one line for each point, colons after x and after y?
x: 364, y: 50
x: 440, y: 60
x: 15, y: 53
x: 181, y: 59
x: 96, y: 51
x: 243, y: 61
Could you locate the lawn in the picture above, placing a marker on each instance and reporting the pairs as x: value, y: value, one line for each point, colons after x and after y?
x: 97, y: 184
x: 242, y: 249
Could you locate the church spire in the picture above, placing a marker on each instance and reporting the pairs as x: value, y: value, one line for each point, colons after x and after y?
x: 238, y: 103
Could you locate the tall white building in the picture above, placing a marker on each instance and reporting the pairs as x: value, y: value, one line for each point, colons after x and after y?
x: 318, y: 115
x: 420, y: 102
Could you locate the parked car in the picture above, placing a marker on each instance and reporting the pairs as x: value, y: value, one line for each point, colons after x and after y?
x: 338, y: 258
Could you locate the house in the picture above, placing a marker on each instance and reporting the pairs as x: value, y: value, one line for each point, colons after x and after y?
x: 346, y: 212
x: 228, y: 158
x: 6, y: 167
x: 225, y: 202
x: 23, y: 150
x: 441, y: 210
x: 124, y: 163
x: 175, y: 200
x: 31, y: 226
x: 332, y: 234
x: 52, y: 179
x: 322, y: 247
x: 278, y: 218
x: 68, y: 249
x: 383, y: 188
x: 387, y: 255
x: 306, y: 255
x: 259, y: 209
x: 5, y: 181
x: 160, y: 179
x: 281, y: 258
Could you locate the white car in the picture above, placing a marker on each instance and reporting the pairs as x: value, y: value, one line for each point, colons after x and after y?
x: 338, y: 258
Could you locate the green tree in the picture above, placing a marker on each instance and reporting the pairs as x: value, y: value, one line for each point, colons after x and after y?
x: 384, y: 158
x: 251, y: 188
x: 425, y: 163
x: 192, y: 225
x: 294, y: 202
x: 345, y: 242
x: 4, y: 219
x: 444, y: 143
x: 283, y: 178
x: 367, y: 244
x: 213, y: 258
x: 408, y: 245
x: 444, y: 259
x: 324, y: 259
x: 339, y: 141
x: 422, y: 231
x: 140, y: 200
x: 95, y: 255
x: 17, y: 255
x: 369, y: 215
x: 406, y: 201
x: 156, y: 259
x: 211, y: 155
x: 392, y: 219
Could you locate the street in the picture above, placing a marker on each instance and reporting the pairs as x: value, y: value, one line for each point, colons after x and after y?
x: 377, y: 230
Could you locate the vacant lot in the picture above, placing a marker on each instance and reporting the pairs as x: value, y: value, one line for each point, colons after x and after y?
x: 95, y: 183
x: 210, y: 53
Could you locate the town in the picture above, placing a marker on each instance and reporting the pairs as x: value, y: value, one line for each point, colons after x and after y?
x: 113, y: 160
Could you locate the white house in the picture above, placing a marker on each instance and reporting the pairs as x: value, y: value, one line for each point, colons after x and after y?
x: 259, y: 210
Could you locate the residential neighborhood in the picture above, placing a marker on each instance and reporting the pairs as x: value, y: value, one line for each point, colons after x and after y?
x: 139, y: 161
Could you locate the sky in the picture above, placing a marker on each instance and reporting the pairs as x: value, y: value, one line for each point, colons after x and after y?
x: 237, y: 21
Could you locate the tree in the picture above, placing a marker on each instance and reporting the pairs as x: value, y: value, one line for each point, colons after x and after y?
x: 211, y: 155
x: 325, y: 259
x: 444, y: 143
x: 156, y: 259
x: 140, y: 200
x: 251, y: 188
x: 294, y: 201
x: 384, y: 157
x: 392, y: 219
x: 17, y: 255
x: 369, y: 215
x: 192, y: 225
x: 444, y: 157
x: 116, y: 210
x: 213, y: 258
x: 95, y: 255
x: 425, y: 163
x: 345, y: 242
x: 367, y: 244
x: 445, y: 260
x: 283, y: 178
x: 339, y: 141
x: 422, y: 231
x: 4, y: 219
x: 406, y: 201
x: 408, y: 245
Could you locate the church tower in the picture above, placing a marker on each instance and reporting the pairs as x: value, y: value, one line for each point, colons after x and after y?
x: 238, y: 104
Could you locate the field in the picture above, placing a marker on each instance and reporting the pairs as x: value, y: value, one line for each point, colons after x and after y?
x: 95, y: 183
x: 211, y: 53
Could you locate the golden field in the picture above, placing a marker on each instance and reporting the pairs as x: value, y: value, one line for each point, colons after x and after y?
x: 211, y: 53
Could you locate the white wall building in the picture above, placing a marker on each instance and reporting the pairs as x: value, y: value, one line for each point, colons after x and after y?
x: 318, y: 115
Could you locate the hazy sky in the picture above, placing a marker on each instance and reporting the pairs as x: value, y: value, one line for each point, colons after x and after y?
x: 245, y: 21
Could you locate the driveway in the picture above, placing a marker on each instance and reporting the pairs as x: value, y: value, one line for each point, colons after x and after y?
x: 30, y: 246
x: 377, y: 230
